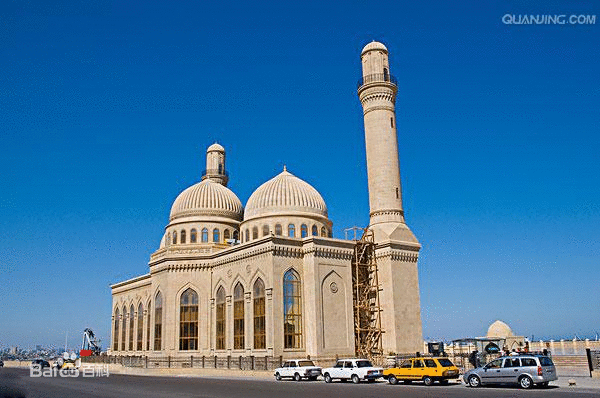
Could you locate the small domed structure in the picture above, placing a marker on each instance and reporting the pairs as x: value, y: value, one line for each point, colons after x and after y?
x: 215, y: 147
x: 207, y: 198
x: 374, y: 45
x: 499, y: 329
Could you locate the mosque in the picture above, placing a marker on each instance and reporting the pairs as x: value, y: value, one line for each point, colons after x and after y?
x: 269, y: 278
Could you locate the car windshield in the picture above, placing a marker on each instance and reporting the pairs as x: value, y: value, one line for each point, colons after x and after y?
x: 306, y: 363
x: 364, y: 364
x: 545, y: 361
x: 445, y: 362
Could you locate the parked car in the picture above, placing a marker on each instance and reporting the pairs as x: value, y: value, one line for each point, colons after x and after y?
x: 525, y: 370
x: 352, y: 369
x: 298, y: 369
x: 40, y: 363
x: 427, y: 370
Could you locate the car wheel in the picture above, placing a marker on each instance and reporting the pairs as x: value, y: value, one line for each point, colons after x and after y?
x: 427, y: 380
x: 392, y: 380
x: 525, y: 382
x: 327, y: 378
x: 474, y: 381
x: 355, y: 379
x: 277, y: 376
x: 297, y: 377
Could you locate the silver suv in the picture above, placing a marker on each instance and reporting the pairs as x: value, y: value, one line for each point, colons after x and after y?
x: 526, y: 370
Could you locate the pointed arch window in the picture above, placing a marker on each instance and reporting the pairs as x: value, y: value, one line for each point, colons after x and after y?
x: 291, y: 230
x: 188, y: 320
x: 158, y: 304
x: 168, y: 239
x: 116, y: 331
x: 315, y: 230
x: 292, y: 310
x: 216, y: 235
x: 236, y: 235
x: 303, y: 231
x: 131, y: 326
x: 124, y: 329
x: 204, y: 235
x: 255, y: 233
x: 278, y: 231
x: 247, y: 235
x: 174, y: 237
x: 140, y: 327
x: 238, y: 317
x: 182, y: 238
x: 226, y: 235
x: 265, y: 229
x: 260, y: 335
x: 323, y: 231
x: 148, y: 312
x: 220, y: 321
x: 193, y: 235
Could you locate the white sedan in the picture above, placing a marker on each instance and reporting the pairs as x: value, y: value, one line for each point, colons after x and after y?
x: 298, y: 369
x: 352, y: 369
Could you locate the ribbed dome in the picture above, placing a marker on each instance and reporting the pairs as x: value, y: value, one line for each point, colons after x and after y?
x: 374, y: 45
x: 207, y: 198
x: 215, y: 147
x: 283, y: 194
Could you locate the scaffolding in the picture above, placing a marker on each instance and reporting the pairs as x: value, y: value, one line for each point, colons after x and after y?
x: 365, y: 288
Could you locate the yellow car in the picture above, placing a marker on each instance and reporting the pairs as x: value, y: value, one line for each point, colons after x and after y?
x: 427, y: 370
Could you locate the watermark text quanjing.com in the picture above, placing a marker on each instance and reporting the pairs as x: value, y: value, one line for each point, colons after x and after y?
x: 547, y: 19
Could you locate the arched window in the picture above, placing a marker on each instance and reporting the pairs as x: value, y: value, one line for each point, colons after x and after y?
x: 386, y: 75
x: 131, y: 326
x: 238, y: 317
x: 303, y: 231
x: 174, y: 237
x: 278, y: 229
x: 188, y: 321
x: 116, y: 331
x: 292, y: 310
x: 158, y: 322
x: 291, y: 230
x: 265, y: 230
x: 216, y: 235
x: 255, y: 233
x: 260, y: 335
x: 182, y: 238
x: 315, y: 231
x: 247, y: 236
x: 226, y: 235
x: 220, y: 322
x: 236, y: 235
x: 204, y: 235
x: 124, y: 329
x: 168, y: 239
x: 140, y: 327
x: 323, y: 231
x: 148, y: 312
x: 193, y: 236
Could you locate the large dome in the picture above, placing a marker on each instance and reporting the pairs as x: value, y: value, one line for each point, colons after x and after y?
x: 207, y: 198
x: 285, y: 194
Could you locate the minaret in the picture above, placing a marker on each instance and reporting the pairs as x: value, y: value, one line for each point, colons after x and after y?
x: 215, y: 165
x: 397, y: 248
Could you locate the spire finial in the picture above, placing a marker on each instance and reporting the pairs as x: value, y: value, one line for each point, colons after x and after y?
x: 284, y: 168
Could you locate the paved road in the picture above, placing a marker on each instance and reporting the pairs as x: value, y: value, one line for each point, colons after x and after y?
x: 16, y: 383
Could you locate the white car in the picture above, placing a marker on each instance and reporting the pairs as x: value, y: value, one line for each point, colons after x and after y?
x: 352, y: 369
x: 298, y: 369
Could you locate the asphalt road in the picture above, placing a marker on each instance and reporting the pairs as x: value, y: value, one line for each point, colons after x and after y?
x: 16, y: 383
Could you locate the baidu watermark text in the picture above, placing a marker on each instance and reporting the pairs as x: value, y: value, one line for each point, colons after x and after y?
x: 84, y: 370
x: 547, y: 19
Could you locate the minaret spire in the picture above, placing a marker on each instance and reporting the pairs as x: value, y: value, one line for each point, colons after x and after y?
x: 215, y: 165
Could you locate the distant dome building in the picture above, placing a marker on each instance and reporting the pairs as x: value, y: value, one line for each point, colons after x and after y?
x: 499, y: 329
x: 270, y: 280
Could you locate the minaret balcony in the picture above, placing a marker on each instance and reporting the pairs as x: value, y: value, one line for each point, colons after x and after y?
x: 377, y: 78
x: 214, y: 173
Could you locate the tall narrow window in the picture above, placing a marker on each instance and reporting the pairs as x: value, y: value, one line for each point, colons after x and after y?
x: 216, y: 235
x: 255, y: 233
x: 238, y: 317
x: 140, y: 327
x: 386, y: 75
x: 158, y: 322
x: 292, y: 310
x: 315, y: 230
x: 183, y: 237
x: 323, y: 231
x: 236, y: 235
x: 204, y: 235
x: 220, y: 323
x: 265, y: 230
x: 174, y: 237
x: 292, y: 231
x: 397, y: 193
x: 392, y: 122
x: 124, y: 329
x: 260, y: 335
x: 148, y: 311
x: 116, y: 331
x: 226, y: 235
x: 169, y: 239
x: 193, y: 236
x: 247, y: 238
x: 303, y: 231
x: 188, y: 321
x: 278, y: 229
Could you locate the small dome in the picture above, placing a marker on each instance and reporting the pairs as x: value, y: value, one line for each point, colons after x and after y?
x: 374, y: 45
x: 499, y: 329
x: 285, y: 194
x: 207, y: 198
x: 215, y: 147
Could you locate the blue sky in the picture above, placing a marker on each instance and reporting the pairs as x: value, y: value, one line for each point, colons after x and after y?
x: 107, y: 110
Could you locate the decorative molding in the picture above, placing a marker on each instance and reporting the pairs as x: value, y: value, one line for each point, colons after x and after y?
x: 397, y: 255
x: 387, y: 213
